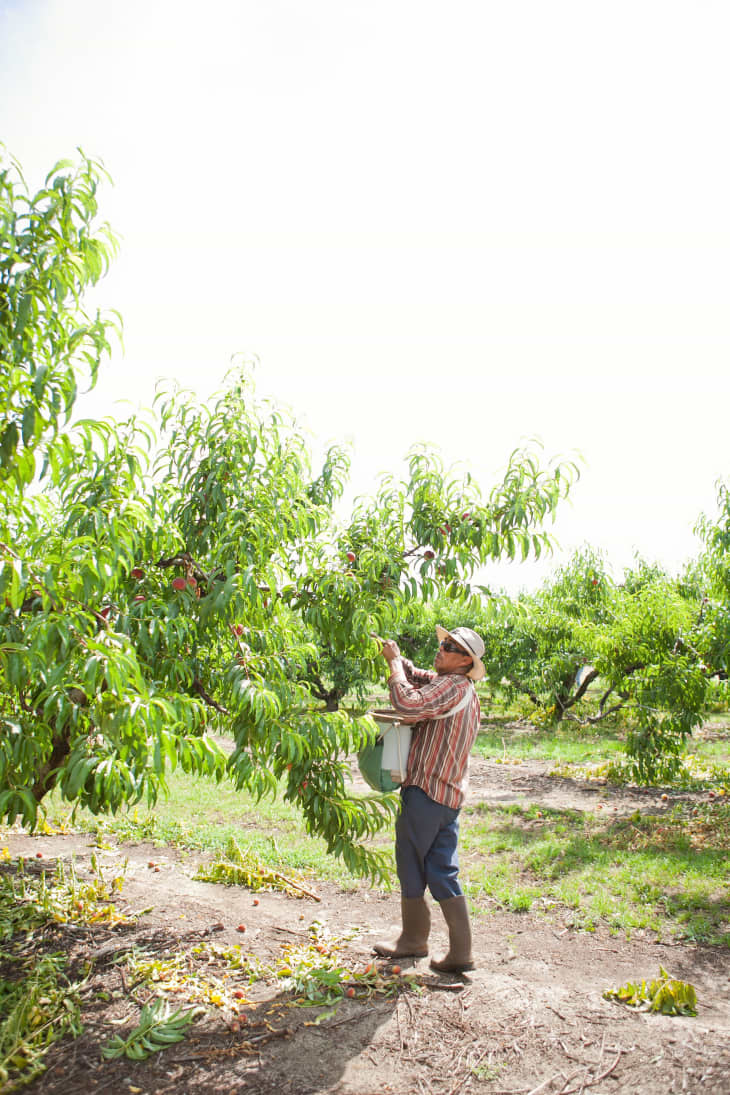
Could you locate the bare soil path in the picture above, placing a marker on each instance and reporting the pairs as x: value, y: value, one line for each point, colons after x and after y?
x: 530, y: 781
x: 530, y: 1019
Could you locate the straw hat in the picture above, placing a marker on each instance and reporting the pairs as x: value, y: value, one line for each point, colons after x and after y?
x: 471, y: 642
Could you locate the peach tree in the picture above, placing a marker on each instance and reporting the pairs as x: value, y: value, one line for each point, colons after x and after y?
x: 180, y: 588
x: 540, y: 645
x: 52, y: 250
x: 419, y: 537
x: 584, y: 648
x: 711, y: 581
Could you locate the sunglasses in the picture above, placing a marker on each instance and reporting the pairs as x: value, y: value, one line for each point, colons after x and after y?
x: 452, y: 648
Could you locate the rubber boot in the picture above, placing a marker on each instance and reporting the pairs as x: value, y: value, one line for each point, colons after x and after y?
x: 413, y: 939
x: 459, y: 957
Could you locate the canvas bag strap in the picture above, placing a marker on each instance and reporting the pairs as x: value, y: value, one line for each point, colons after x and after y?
x: 457, y: 707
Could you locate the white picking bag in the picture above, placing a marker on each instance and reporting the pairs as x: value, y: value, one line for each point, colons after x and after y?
x: 396, y: 736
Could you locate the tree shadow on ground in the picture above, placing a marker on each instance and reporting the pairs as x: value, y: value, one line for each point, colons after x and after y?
x: 256, y: 1036
x: 281, y: 1050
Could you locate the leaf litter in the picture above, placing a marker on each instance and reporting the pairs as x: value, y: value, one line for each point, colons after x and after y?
x: 532, y: 1018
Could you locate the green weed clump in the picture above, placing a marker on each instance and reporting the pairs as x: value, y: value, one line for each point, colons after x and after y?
x: 665, y: 994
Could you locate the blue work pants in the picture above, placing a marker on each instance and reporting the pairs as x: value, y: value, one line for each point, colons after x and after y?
x: 426, y: 854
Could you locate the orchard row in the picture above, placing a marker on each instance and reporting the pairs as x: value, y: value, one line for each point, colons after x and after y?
x: 187, y: 570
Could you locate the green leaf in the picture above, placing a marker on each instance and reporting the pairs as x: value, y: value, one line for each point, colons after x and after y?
x: 24, y: 308
x: 30, y: 424
x: 8, y: 443
x: 158, y: 1028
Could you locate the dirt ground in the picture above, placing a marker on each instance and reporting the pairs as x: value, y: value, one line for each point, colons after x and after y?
x: 530, y: 1019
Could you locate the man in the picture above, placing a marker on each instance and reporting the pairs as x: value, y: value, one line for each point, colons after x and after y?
x: 443, y: 705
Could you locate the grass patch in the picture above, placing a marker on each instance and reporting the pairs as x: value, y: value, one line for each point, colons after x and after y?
x: 200, y: 816
x: 598, y: 753
x: 716, y: 749
x: 668, y: 875
x: 559, y: 746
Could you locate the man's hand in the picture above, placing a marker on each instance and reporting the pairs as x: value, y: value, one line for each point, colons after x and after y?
x: 390, y: 651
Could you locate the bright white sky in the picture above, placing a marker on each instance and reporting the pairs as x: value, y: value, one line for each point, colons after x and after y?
x: 466, y: 223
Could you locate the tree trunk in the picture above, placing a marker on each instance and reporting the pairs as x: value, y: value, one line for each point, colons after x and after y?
x: 46, y: 777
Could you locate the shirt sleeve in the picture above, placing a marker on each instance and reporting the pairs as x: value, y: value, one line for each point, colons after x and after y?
x: 414, y: 675
x: 428, y: 698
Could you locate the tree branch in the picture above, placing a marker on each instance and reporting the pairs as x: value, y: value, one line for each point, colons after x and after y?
x: 570, y: 701
x: 198, y: 687
x: 523, y: 688
x: 585, y: 684
x: 315, y: 684
x: 60, y: 749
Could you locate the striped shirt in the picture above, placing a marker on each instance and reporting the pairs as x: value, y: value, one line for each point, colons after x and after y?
x: 438, y: 761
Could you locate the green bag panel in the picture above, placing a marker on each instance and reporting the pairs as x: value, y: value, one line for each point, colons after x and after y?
x: 370, y: 763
